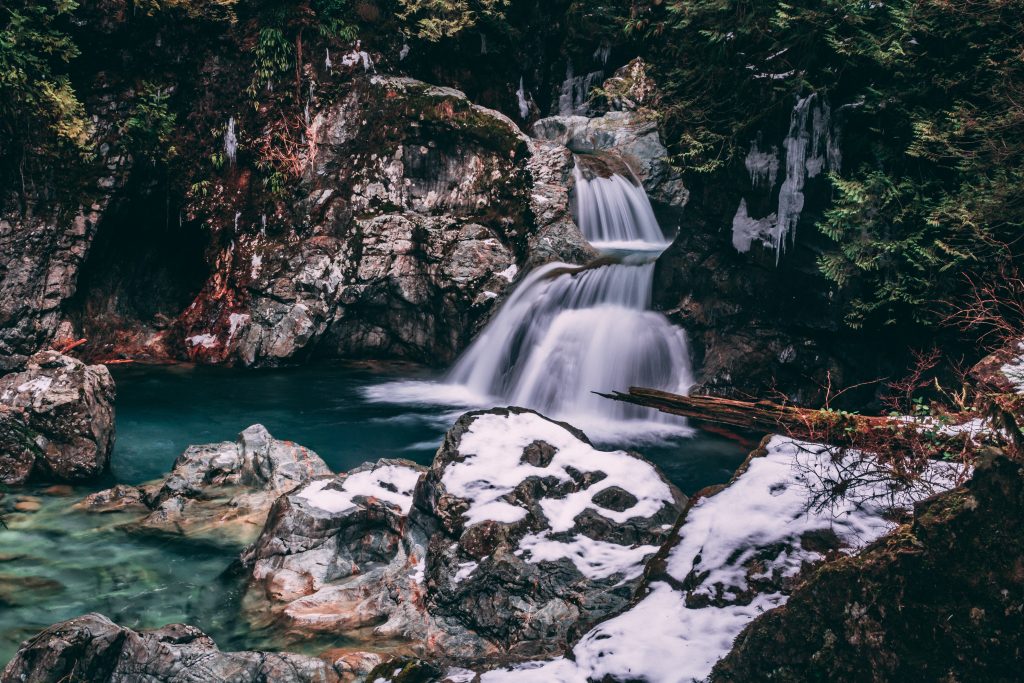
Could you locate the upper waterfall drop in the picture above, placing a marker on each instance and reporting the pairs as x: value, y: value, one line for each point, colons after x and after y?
x: 613, y: 212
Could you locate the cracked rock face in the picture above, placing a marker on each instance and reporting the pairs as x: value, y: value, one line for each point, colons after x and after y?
x: 93, y: 648
x: 414, y: 217
x: 516, y: 539
x: 218, y: 493
x: 56, y: 421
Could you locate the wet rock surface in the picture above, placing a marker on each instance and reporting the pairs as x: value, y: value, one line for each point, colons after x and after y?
x: 38, y: 273
x: 516, y: 539
x: 217, y: 493
x: 56, y: 420
x: 93, y: 648
x: 627, y: 128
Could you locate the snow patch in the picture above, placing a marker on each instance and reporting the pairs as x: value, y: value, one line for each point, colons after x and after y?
x: 594, y: 559
x: 1014, y: 372
x: 235, y: 321
x: 389, y: 483
x: 465, y: 570
x: 207, y: 341
x: 660, y: 639
x: 36, y: 386
x: 510, y: 272
x: 492, y: 448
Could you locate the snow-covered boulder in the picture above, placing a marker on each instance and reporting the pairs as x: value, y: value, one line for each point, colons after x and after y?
x: 518, y: 538
x: 218, y: 493
x: 736, y: 555
x: 334, y: 555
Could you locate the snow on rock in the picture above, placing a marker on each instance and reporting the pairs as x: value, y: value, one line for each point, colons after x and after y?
x: 494, y: 466
x: 391, y: 483
x: 207, y: 341
x: 1014, y: 371
x: 329, y: 546
x: 510, y: 272
x: 520, y: 535
x: 736, y: 556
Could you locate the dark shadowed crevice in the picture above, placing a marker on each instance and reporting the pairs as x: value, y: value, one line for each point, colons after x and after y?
x: 146, y: 265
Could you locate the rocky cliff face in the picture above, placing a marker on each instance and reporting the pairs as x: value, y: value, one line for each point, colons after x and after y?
x: 414, y: 211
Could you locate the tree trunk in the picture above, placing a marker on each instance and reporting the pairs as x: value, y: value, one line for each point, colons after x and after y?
x: 760, y: 416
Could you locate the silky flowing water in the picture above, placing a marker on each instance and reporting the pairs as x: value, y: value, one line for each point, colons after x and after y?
x: 58, y: 563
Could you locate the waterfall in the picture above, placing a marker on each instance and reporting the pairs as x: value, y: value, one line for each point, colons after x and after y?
x: 567, y: 331
x: 524, y: 106
x: 614, y: 211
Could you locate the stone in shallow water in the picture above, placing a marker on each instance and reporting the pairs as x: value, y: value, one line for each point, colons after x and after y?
x: 93, y: 648
x: 218, y: 493
x: 499, y: 551
x: 56, y: 420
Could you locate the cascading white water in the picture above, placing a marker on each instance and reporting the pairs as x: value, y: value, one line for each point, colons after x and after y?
x: 614, y: 212
x: 567, y: 331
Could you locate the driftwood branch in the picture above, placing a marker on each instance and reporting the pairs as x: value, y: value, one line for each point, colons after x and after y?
x: 759, y: 416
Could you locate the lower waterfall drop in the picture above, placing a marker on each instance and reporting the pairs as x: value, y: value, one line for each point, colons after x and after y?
x: 567, y: 331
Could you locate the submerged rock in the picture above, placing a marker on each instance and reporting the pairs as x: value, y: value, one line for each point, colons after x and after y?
x: 92, y: 648
x: 518, y: 537
x: 56, y: 420
x: 218, y: 493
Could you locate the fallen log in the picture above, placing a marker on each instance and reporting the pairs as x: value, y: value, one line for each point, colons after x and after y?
x: 758, y: 416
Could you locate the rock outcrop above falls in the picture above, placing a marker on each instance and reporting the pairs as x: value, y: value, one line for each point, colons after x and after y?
x: 628, y: 130
x: 417, y: 209
x: 517, y: 538
x: 217, y: 493
x: 56, y: 420
x: 93, y: 648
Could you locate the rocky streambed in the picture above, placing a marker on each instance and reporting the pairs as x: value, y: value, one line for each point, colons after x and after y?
x: 518, y: 551
x: 60, y: 561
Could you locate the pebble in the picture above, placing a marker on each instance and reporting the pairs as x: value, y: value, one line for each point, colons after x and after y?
x: 59, y: 490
